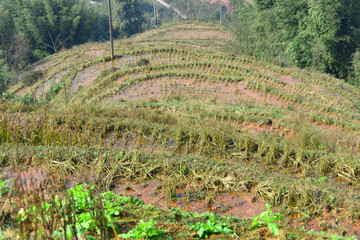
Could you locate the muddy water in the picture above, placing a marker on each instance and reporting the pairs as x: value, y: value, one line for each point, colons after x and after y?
x: 27, y: 180
x: 242, y: 205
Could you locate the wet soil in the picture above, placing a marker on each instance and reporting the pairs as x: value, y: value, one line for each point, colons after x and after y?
x: 27, y: 180
x: 239, y: 204
x: 43, y: 66
x: 44, y: 88
x: 242, y: 205
x: 162, y: 87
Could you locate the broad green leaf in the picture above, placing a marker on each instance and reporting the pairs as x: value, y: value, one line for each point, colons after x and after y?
x: 200, y: 233
x: 274, y: 228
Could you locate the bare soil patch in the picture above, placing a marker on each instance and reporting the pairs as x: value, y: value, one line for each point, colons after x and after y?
x: 86, y: 77
x: 94, y: 53
x: 44, y: 88
x: 23, y: 91
x: 197, y: 35
x: 163, y: 87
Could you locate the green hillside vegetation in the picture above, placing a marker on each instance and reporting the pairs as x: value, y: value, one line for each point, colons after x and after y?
x: 319, y: 35
x: 176, y: 121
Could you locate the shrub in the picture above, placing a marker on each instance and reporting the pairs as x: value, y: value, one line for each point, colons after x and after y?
x: 144, y: 230
x: 31, y: 77
x: 143, y: 62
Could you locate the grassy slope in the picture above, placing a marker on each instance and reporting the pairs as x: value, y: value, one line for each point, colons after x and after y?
x: 194, y: 118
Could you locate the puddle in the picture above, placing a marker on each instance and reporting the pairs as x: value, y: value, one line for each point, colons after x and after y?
x: 233, y: 204
x: 28, y: 180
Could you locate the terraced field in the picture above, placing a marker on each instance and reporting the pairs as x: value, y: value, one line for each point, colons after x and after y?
x: 176, y: 121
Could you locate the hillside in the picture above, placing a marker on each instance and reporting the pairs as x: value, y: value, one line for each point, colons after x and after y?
x: 177, y: 121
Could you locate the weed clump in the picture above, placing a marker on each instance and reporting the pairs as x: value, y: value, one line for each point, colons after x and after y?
x: 31, y: 77
x: 142, y: 62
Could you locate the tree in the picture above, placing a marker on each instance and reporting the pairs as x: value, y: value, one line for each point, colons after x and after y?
x: 264, y: 4
x: 4, y: 75
x: 332, y: 35
x: 355, y: 78
x: 128, y: 19
x: 49, y: 25
x: 320, y: 34
x: 243, y: 23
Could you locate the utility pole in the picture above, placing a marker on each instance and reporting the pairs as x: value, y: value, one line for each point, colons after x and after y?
x: 156, y: 14
x: 111, y: 33
x: 189, y: 10
x: 220, y: 14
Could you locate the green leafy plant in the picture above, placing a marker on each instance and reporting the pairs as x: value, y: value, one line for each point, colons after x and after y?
x: 330, y: 236
x: 108, y: 206
x: 204, y: 230
x: 92, y: 213
x: 144, y: 230
x: 268, y: 218
x: 54, y: 89
x: 4, y: 187
x: 28, y: 99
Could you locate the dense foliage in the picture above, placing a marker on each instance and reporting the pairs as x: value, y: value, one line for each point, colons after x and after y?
x: 47, y: 26
x: 128, y: 17
x: 196, y: 10
x: 4, y: 78
x: 318, y: 34
x: 30, y: 30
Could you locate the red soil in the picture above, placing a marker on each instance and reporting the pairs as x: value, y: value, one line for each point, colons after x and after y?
x: 243, y: 205
x: 28, y: 180
x: 42, y: 66
x: 163, y: 87
x: 240, y: 204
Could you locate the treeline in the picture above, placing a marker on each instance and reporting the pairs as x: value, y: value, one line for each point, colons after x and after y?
x: 196, y: 10
x: 316, y: 34
x: 33, y: 29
